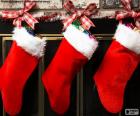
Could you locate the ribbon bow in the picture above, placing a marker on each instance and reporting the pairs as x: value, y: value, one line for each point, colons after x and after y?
x: 21, y: 15
x: 128, y: 12
x: 81, y: 15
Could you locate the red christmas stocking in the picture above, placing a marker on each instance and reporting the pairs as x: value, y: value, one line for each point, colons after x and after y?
x: 117, y: 67
x: 74, y: 51
x: 18, y: 66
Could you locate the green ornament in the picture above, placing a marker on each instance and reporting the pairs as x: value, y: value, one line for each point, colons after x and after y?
x: 77, y: 24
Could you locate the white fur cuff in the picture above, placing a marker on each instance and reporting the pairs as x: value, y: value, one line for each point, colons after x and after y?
x: 80, y: 41
x: 32, y: 45
x: 128, y: 38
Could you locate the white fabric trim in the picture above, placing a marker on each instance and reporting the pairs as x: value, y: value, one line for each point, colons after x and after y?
x: 80, y: 41
x: 33, y: 45
x: 128, y: 38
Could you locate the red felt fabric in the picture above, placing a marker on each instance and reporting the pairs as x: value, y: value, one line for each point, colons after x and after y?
x: 111, y: 78
x: 16, y: 70
x: 58, y: 76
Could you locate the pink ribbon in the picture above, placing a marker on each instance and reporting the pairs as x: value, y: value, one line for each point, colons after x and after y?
x: 128, y: 12
x: 21, y: 15
x: 81, y: 15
